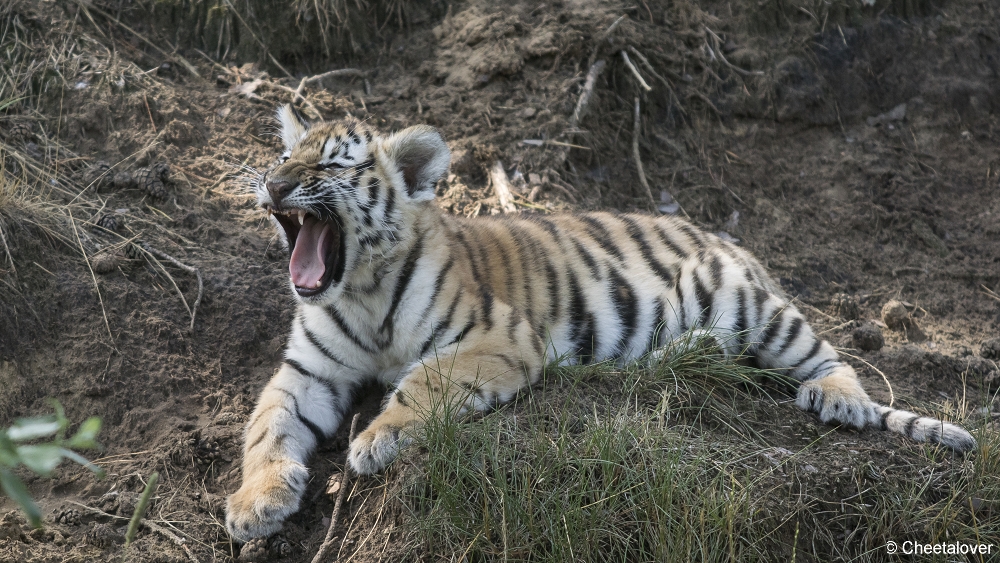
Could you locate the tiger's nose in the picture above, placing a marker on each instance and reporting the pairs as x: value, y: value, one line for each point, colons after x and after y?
x: 279, y: 189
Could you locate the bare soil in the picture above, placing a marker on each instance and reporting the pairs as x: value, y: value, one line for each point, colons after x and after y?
x: 848, y: 201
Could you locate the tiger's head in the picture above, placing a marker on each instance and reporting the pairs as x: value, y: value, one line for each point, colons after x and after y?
x: 342, y: 195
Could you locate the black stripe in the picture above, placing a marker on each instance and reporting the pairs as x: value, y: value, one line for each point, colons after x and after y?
x: 741, y: 317
x: 308, y: 374
x: 810, y: 355
x: 818, y: 369
x: 680, y: 304
x: 934, y: 433
x: 627, y: 306
x: 399, y: 398
x: 552, y: 286
x: 465, y: 330
x: 443, y: 326
x: 794, y: 329
x: 703, y: 299
x: 910, y: 424
x: 635, y: 231
x: 772, y: 329
x: 472, y: 258
x: 885, y: 418
x: 317, y: 433
x: 517, y: 236
x: 715, y: 267
x: 508, y: 271
x: 695, y: 236
x: 409, y: 266
x: 658, y: 328
x: 487, y: 299
x: 314, y: 340
x: 507, y: 360
x: 597, y: 231
x: 438, y: 286
x: 669, y: 242
x: 588, y: 259
x: 390, y: 203
x: 582, y: 320
x: 342, y: 325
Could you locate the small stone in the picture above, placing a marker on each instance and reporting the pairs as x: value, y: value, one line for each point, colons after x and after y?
x: 333, y: 483
x: 868, y: 337
x: 895, y: 315
x: 990, y: 349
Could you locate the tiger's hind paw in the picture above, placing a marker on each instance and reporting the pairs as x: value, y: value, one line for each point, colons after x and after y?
x: 837, y: 398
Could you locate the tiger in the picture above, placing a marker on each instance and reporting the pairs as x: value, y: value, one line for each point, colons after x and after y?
x: 467, y: 312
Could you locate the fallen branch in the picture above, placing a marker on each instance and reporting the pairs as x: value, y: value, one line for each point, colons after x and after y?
x: 649, y: 68
x: 189, y: 269
x: 154, y: 527
x: 319, y: 77
x: 327, y: 544
x: 635, y: 154
x: 717, y: 41
x: 635, y: 71
x: 501, y: 184
x: 588, y: 90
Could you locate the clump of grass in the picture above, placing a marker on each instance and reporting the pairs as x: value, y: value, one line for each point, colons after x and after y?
x: 665, y: 462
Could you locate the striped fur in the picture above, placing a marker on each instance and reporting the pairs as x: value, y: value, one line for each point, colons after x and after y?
x: 467, y: 312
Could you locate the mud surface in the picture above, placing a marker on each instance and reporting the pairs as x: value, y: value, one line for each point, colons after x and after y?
x: 858, y: 160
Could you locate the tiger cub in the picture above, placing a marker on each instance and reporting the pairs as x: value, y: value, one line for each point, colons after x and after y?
x: 468, y: 311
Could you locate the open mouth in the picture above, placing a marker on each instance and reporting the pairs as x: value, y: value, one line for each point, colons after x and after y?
x: 316, y: 248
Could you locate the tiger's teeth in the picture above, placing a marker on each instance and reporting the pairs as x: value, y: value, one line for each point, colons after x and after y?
x: 302, y: 218
x: 317, y: 285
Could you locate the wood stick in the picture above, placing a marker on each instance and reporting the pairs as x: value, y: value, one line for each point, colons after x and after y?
x: 189, y: 269
x: 327, y: 544
x: 635, y: 71
x: 635, y: 154
x: 155, y: 527
x: 588, y: 90
x: 329, y: 74
x: 501, y: 184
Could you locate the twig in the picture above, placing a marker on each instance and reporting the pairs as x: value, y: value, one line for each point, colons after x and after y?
x: 989, y: 292
x: 327, y: 544
x: 93, y: 276
x: 649, y: 67
x: 607, y: 33
x: 7, y: 248
x: 635, y: 154
x: 184, y: 62
x: 155, y: 527
x: 257, y: 39
x: 189, y: 269
x: 718, y: 52
x: 892, y: 396
x: 501, y: 184
x: 319, y: 77
x: 635, y: 71
x: 588, y: 90
x: 149, y: 113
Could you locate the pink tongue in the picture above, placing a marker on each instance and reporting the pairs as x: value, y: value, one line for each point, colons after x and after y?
x: 306, y: 266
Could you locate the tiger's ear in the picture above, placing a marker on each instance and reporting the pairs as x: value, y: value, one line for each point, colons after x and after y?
x: 293, y: 125
x: 422, y: 158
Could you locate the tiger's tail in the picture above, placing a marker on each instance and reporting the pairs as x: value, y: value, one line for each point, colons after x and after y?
x: 925, y: 429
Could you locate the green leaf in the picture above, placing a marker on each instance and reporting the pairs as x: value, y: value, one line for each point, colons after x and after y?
x: 84, y: 462
x: 41, y: 459
x: 32, y: 428
x: 86, y: 437
x: 15, y: 489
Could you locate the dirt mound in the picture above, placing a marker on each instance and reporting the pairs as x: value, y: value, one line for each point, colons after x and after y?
x: 852, y: 149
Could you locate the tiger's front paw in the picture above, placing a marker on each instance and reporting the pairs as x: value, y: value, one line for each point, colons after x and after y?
x: 837, y: 398
x: 267, y: 497
x: 376, y: 447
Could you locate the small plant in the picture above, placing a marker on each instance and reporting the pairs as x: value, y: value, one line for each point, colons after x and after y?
x: 42, y: 458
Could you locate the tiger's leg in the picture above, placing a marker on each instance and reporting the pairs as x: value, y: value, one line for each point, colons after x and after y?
x: 296, y: 411
x: 487, y: 367
x: 763, y: 324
